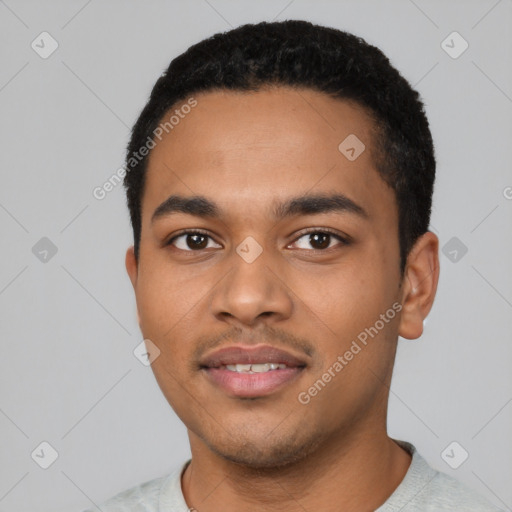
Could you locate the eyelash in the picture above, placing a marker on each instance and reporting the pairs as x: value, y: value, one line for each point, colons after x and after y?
x: 340, y: 238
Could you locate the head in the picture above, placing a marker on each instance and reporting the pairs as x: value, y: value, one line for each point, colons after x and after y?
x: 300, y: 165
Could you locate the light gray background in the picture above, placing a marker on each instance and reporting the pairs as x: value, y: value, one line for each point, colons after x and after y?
x: 68, y: 326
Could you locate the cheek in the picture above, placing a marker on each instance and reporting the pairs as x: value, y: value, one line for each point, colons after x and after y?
x: 345, y: 296
x: 157, y: 310
x: 344, y: 305
x: 168, y: 297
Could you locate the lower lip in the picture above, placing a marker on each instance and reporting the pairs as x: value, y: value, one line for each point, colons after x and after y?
x: 251, y: 385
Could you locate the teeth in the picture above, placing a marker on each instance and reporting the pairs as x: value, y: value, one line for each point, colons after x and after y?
x: 260, y: 368
x: 255, y: 368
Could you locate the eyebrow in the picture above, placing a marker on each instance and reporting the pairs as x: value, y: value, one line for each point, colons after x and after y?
x: 200, y: 206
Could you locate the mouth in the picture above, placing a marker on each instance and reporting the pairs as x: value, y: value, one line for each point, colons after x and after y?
x: 251, y: 372
x: 253, y: 368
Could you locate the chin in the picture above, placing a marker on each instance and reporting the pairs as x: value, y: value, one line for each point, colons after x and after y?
x: 265, y: 452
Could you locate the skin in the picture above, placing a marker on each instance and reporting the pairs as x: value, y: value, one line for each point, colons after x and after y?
x: 246, y: 151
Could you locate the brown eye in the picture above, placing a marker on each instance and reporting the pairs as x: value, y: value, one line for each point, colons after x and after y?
x: 196, y: 241
x: 319, y: 240
x: 192, y: 241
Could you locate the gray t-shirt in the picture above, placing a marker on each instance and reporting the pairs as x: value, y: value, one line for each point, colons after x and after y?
x: 423, y: 489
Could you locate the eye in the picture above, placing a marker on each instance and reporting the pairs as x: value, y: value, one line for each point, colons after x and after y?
x: 319, y: 240
x: 192, y: 241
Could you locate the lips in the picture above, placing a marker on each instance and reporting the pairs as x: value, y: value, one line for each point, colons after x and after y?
x: 250, y: 372
x: 250, y: 355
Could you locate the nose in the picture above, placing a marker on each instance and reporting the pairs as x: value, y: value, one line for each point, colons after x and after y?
x: 252, y: 291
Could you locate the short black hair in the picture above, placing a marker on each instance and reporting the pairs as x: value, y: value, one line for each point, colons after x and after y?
x: 301, y: 54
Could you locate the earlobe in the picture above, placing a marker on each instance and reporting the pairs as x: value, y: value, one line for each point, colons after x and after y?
x: 420, y: 285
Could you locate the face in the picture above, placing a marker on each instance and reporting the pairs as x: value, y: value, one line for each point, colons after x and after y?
x: 275, y: 299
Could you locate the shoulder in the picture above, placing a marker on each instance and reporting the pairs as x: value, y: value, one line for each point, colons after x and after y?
x: 425, y: 489
x: 144, y: 497
x: 447, y: 493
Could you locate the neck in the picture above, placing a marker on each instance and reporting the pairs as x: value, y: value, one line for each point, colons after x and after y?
x: 357, y: 473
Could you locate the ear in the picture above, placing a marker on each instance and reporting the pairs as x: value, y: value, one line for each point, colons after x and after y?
x: 131, y: 265
x: 132, y: 269
x: 420, y: 280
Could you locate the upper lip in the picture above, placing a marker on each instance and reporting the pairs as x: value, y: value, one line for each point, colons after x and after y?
x: 240, y: 354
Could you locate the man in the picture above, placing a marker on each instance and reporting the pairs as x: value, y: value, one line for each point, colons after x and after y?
x: 279, y: 182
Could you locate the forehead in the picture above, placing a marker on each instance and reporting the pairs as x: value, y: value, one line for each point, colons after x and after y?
x: 246, y: 146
